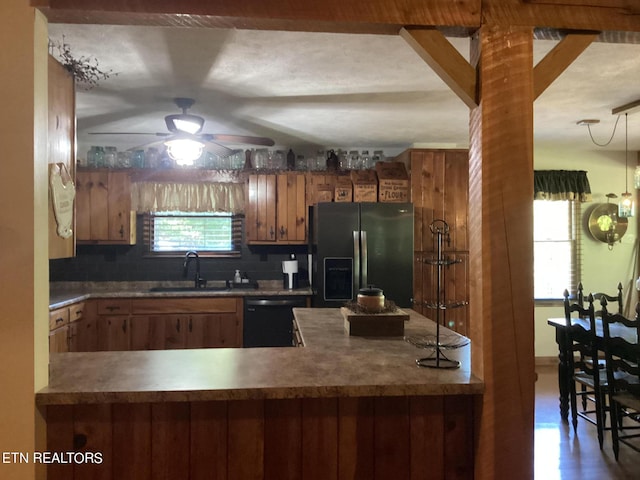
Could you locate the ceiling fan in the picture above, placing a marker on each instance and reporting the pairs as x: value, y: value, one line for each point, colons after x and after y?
x: 184, y: 140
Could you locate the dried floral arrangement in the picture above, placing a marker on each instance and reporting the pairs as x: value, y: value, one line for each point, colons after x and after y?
x: 85, y: 70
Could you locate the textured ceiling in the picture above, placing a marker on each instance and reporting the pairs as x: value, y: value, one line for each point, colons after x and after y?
x: 309, y: 90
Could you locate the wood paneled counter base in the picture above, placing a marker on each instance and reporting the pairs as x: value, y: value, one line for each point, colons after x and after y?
x: 341, y: 407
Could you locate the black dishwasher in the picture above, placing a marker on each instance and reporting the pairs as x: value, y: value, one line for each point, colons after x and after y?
x: 268, y: 321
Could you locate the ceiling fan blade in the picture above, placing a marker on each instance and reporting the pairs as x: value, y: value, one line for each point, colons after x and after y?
x: 157, y: 143
x: 221, y: 137
x: 157, y: 134
x: 219, y: 150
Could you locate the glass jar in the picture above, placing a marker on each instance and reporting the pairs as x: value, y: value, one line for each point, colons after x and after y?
x: 110, y: 157
x: 98, y: 156
x: 137, y: 159
x: 260, y: 158
x: 124, y: 159
x: 91, y: 157
x: 353, y: 160
x: 152, y: 158
x: 343, y: 159
x: 321, y: 160
x: 378, y: 156
x: 301, y: 163
x: 365, y: 160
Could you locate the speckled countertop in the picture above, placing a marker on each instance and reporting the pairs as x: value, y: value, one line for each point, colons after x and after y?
x: 330, y: 364
x: 62, y: 294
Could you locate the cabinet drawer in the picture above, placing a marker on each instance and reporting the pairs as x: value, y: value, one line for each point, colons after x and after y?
x: 185, y: 305
x: 115, y: 306
x: 58, y: 318
x: 76, y: 312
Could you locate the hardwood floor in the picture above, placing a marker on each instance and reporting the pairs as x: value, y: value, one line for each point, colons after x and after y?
x: 561, y: 454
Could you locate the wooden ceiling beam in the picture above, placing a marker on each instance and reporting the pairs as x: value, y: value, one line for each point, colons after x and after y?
x: 614, y: 15
x: 461, y: 13
x: 558, y: 59
x: 434, y: 48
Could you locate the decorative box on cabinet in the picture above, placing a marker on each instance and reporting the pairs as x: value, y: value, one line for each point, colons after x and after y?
x: 275, y: 209
x: 62, y: 140
x: 439, y: 182
x: 103, y: 212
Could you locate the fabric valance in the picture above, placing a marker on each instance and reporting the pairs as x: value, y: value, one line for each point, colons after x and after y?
x: 187, y: 197
x: 561, y: 185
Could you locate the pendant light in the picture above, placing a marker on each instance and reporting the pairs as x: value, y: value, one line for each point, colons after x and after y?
x: 626, y: 205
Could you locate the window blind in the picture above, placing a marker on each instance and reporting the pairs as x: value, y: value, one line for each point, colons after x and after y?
x: 211, y: 235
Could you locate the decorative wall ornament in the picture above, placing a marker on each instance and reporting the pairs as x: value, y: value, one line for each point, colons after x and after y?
x: 63, y: 191
x: 605, y: 225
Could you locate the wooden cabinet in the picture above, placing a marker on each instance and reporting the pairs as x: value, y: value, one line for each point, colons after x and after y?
x: 103, y: 213
x: 113, y: 324
x: 64, y: 325
x: 440, y: 190
x: 276, y: 209
x: 168, y: 323
x: 61, y: 143
x: 186, y: 322
x: 83, y: 335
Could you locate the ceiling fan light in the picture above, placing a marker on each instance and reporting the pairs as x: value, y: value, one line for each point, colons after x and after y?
x: 184, y: 151
x: 184, y: 123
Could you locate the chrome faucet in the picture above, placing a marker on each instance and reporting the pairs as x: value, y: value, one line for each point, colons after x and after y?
x: 199, y: 282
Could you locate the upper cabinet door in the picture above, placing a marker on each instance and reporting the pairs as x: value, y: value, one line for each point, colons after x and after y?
x: 291, y: 215
x: 103, y: 211
x: 62, y: 140
x: 439, y: 190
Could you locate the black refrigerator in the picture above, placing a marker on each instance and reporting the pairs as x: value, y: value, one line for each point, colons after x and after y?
x: 356, y: 245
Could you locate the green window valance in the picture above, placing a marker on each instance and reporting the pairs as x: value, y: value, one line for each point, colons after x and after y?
x: 561, y: 185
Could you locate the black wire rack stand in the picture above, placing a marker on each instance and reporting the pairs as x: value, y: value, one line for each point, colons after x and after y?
x: 438, y: 342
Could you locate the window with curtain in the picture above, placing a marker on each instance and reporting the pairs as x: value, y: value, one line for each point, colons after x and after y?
x: 210, y: 234
x: 556, y: 216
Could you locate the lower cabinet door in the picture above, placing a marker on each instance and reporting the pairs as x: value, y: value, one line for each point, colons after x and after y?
x: 213, y: 330
x: 113, y: 333
x: 83, y: 335
x: 58, y: 340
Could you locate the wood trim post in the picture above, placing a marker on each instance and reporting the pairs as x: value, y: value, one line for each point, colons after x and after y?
x: 501, y: 251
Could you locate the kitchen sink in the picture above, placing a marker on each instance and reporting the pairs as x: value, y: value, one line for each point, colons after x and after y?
x: 189, y: 289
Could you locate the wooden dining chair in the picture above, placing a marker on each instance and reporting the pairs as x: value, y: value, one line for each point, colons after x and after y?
x: 600, y: 295
x: 622, y: 357
x: 583, y: 363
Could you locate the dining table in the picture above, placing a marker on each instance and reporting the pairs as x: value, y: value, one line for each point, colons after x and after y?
x: 564, y: 350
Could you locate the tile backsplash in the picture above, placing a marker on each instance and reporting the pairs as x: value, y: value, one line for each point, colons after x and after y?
x: 102, y: 263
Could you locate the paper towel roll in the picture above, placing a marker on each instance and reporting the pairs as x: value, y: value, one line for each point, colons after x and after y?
x: 290, y: 266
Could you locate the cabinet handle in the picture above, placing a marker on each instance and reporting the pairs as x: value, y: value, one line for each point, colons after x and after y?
x: 178, y: 325
x: 59, y: 320
x: 271, y: 232
x: 283, y: 231
x: 121, y: 231
x: 124, y: 325
x: 112, y: 308
x: 190, y: 325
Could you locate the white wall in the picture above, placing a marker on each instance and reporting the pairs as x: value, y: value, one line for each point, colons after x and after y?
x: 602, y: 268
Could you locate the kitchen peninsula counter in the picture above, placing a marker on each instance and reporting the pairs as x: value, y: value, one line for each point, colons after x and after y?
x: 330, y: 364
x: 339, y: 407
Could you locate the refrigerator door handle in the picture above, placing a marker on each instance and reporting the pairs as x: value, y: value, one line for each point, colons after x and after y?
x: 356, y: 259
x: 363, y: 259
